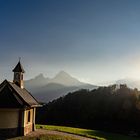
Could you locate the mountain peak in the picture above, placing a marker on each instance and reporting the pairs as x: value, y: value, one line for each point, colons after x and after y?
x: 65, y: 79
x: 63, y: 74
x: 40, y: 76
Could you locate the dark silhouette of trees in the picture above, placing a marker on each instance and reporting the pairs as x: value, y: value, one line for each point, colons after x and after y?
x: 114, y: 108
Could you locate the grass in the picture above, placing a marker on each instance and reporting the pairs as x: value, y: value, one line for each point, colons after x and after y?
x: 45, y: 137
x: 98, y: 135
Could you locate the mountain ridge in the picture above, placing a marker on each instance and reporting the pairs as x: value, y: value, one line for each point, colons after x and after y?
x: 48, y: 89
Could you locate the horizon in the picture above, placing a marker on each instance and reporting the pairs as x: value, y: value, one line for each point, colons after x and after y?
x: 94, y: 41
x: 125, y: 80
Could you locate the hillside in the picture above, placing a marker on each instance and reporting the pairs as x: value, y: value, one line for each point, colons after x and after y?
x: 110, y: 108
x: 48, y: 89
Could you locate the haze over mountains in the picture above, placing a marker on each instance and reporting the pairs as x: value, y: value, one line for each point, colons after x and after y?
x: 47, y: 89
x: 132, y: 83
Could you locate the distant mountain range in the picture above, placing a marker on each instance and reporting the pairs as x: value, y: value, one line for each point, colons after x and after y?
x: 48, y: 89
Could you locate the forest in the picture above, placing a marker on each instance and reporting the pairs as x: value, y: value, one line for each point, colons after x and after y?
x: 115, y: 108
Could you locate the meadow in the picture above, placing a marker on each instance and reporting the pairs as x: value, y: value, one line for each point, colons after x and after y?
x: 94, y: 134
x: 98, y: 135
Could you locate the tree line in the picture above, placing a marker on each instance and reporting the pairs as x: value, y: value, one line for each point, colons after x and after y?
x: 113, y: 108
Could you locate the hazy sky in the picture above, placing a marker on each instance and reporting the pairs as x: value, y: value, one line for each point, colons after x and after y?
x: 95, y: 41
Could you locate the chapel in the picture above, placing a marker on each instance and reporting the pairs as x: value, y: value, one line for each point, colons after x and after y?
x: 17, y: 106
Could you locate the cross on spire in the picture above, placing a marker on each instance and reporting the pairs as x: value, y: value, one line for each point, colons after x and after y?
x: 19, y: 59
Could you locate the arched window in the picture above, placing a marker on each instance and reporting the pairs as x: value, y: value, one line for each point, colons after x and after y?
x: 29, y: 116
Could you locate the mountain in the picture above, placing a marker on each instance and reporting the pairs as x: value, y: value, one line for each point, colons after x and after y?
x: 48, y: 89
x: 65, y: 79
x: 51, y: 91
x: 37, y: 82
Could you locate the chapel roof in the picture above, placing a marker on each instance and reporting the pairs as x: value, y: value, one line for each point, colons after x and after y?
x: 12, y: 96
x: 18, y: 68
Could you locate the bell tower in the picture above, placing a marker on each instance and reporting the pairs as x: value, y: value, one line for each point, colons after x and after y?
x: 18, y: 75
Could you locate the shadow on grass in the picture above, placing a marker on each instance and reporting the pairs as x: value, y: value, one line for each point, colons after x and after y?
x: 110, y: 136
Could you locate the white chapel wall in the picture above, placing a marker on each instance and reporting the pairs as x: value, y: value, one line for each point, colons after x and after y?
x: 9, y: 118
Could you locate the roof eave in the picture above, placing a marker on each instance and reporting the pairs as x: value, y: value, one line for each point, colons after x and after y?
x: 36, y: 105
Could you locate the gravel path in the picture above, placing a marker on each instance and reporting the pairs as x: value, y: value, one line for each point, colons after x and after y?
x: 44, y: 131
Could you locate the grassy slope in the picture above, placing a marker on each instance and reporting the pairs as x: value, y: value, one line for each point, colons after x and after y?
x: 88, y: 133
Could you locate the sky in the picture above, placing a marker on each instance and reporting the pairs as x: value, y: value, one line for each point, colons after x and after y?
x: 96, y: 41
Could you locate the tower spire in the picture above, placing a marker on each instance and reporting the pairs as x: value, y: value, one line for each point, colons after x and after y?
x: 18, y: 75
